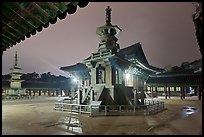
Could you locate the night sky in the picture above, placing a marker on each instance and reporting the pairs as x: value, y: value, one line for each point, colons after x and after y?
x: 165, y: 31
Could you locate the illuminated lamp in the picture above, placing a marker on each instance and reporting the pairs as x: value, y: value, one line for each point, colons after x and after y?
x: 127, y: 76
x: 145, y: 83
x: 75, y: 80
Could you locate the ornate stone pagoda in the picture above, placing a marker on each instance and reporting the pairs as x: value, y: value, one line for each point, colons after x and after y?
x: 112, y: 75
x: 15, y: 81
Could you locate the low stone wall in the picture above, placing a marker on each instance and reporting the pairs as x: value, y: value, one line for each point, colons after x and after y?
x: 16, y: 97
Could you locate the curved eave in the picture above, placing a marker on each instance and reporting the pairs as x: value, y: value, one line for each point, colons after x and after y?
x: 78, y: 70
x: 22, y: 20
x: 76, y: 67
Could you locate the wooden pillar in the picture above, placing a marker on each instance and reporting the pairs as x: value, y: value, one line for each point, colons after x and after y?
x: 199, y: 92
x: 165, y: 92
x: 151, y: 89
x: 175, y: 89
x: 142, y: 97
x: 169, y: 92
x: 182, y: 92
x: 156, y: 92
x: 61, y: 92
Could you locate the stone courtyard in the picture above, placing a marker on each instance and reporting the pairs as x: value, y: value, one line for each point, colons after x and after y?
x: 37, y: 117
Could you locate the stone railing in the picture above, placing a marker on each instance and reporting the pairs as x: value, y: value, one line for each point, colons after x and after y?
x: 149, y: 107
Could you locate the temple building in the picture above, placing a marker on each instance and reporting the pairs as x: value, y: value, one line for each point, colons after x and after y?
x: 184, y: 81
x: 112, y: 75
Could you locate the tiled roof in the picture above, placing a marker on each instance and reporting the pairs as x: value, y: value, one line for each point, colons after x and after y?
x: 189, y: 79
x: 78, y: 66
x: 78, y: 69
x: 23, y: 19
x: 134, y: 50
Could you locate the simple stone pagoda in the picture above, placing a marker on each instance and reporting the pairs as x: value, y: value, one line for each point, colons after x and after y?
x: 112, y: 75
x: 15, y: 81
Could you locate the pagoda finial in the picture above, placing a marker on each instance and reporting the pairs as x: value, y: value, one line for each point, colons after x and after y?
x: 16, y: 59
x: 108, y: 16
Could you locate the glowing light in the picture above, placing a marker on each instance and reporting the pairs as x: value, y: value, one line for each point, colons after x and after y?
x: 127, y: 76
x: 75, y: 79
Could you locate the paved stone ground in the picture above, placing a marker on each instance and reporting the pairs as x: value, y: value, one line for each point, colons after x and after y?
x: 37, y: 117
x: 30, y: 117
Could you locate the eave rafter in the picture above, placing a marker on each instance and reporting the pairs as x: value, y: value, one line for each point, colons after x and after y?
x: 24, y: 19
